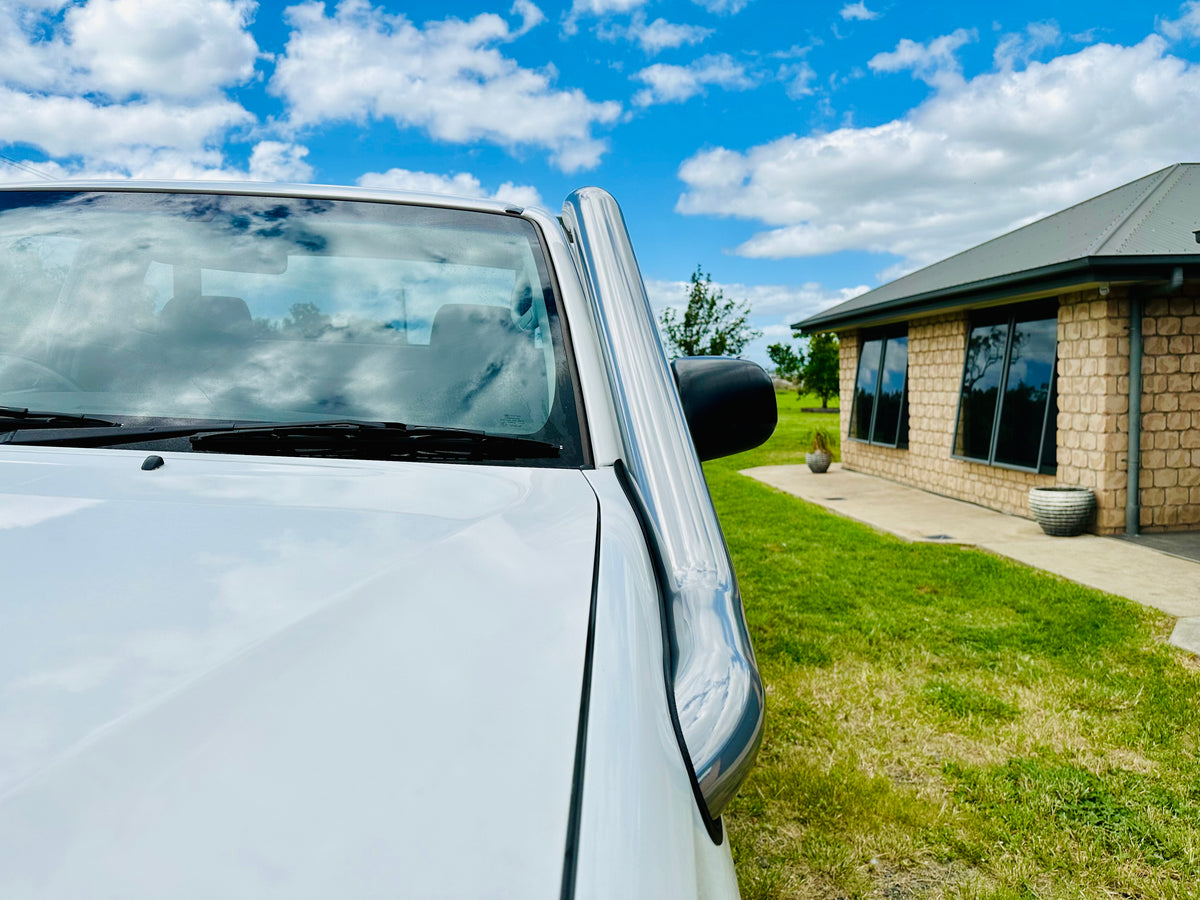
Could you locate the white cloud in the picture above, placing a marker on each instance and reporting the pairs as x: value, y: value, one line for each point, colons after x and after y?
x: 654, y: 37
x: 279, y: 161
x: 531, y: 16
x: 184, y: 49
x: 1019, y: 49
x: 675, y: 84
x: 187, y: 50
x: 604, y: 7
x: 970, y: 163
x: 1186, y: 26
x: 773, y: 307
x: 270, y: 161
x: 798, y: 79
x: 460, y: 184
x: 933, y: 63
x: 23, y: 62
x: 723, y: 7
x: 120, y: 88
x: 21, y: 172
x: 598, y: 8
x: 858, y: 12
x: 765, y: 300
x: 447, y: 78
x: 76, y: 126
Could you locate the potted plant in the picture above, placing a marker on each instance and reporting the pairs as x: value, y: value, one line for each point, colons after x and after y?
x: 1062, y: 510
x: 819, y: 457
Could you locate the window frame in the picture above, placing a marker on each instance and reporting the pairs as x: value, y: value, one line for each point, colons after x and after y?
x: 1035, y: 311
x: 884, y: 336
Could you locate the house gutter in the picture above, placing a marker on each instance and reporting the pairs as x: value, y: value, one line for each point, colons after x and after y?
x: 1042, y: 282
x: 1133, y: 466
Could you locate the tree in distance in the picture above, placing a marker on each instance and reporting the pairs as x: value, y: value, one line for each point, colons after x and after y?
x: 788, y: 361
x: 711, y: 325
x: 815, y: 370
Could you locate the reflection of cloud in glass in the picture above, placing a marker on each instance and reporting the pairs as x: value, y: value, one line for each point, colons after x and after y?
x: 895, y: 365
x: 371, y: 279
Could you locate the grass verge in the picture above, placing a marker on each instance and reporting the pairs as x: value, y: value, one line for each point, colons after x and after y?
x: 946, y: 723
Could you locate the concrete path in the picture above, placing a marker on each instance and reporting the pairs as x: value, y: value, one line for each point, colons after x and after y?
x: 1152, y: 578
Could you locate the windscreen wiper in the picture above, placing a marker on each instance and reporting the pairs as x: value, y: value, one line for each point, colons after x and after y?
x: 15, y: 417
x: 335, y: 439
x: 371, y: 440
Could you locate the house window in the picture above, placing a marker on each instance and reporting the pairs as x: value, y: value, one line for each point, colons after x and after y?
x: 879, y: 411
x: 1008, y: 405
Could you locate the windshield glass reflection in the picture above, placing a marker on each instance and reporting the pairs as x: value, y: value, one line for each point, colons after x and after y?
x: 266, y: 309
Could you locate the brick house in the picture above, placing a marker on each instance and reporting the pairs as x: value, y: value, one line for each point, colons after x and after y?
x: 1009, y: 365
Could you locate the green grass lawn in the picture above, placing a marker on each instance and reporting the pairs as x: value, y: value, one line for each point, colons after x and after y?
x: 945, y: 723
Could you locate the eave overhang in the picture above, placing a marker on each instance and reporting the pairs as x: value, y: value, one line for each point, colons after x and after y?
x: 1047, y: 281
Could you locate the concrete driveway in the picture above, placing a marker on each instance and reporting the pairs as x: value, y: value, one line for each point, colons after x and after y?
x: 1141, y: 573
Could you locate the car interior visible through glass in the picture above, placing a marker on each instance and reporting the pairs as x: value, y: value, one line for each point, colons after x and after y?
x: 332, y: 327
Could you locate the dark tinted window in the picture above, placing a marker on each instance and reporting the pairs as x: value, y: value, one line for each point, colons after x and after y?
x: 1027, y: 387
x: 865, y: 387
x: 880, y: 413
x: 980, y: 389
x: 891, y: 391
x: 1008, y: 402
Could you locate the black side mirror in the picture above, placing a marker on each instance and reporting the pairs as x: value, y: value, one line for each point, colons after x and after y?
x: 729, y: 403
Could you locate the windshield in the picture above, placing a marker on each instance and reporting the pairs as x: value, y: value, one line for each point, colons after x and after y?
x: 197, y: 307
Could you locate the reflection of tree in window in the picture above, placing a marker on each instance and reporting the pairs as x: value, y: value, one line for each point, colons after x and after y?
x: 864, y: 390
x: 306, y: 320
x: 1030, y: 373
x: 880, y: 411
x: 981, y: 385
x: 890, y: 405
x: 1007, y: 390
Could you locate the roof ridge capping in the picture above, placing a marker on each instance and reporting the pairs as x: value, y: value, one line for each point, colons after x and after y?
x: 1155, y: 215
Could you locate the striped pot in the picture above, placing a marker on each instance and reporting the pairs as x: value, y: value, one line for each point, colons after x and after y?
x: 1062, y: 511
x: 818, y: 460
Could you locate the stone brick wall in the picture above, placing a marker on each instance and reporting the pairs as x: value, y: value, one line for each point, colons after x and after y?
x: 1169, y: 484
x: 1093, y: 400
x: 1092, y: 420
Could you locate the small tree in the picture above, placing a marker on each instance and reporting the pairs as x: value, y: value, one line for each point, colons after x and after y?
x: 711, y: 325
x: 788, y: 361
x: 819, y: 374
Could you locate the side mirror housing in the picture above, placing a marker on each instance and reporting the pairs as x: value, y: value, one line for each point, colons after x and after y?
x: 729, y: 403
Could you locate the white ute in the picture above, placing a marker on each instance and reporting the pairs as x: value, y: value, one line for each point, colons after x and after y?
x: 356, y: 545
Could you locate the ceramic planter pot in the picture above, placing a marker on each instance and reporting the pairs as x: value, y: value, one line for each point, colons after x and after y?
x: 1062, y: 511
x: 818, y: 461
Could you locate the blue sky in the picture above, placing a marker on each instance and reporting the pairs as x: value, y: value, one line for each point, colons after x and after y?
x: 800, y: 152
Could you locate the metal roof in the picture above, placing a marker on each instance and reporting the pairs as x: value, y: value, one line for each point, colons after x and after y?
x: 1130, y: 233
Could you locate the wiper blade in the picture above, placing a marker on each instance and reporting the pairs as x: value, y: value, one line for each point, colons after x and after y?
x: 335, y: 439
x: 96, y: 433
x: 371, y: 440
x: 14, y: 417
